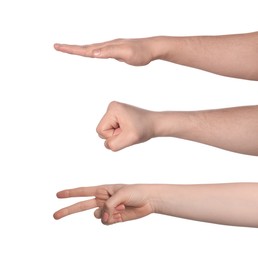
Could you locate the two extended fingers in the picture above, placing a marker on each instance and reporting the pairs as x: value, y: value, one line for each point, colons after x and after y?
x: 103, y: 211
x: 80, y: 206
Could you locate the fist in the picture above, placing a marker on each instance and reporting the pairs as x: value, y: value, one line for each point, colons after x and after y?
x: 125, y: 125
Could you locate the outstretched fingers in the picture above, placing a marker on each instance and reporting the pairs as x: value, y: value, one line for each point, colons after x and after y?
x: 75, y: 208
x: 90, y: 51
x: 74, y: 49
x: 78, y: 192
x: 104, y: 50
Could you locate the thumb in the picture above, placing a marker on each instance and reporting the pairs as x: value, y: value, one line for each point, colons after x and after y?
x: 120, y: 141
x: 113, y: 207
x: 110, y: 51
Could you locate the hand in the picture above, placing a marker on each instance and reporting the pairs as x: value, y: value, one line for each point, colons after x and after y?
x: 124, y: 125
x: 137, y: 52
x: 114, y: 203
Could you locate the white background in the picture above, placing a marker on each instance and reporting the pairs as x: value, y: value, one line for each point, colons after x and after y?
x: 50, y: 104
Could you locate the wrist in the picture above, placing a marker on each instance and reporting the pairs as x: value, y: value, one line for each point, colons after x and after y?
x: 162, y: 47
x: 164, y: 124
x: 159, y: 47
x: 162, y: 198
x: 155, y: 197
x: 176, y: 124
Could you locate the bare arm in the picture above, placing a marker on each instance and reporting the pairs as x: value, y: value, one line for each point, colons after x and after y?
x: 233, y: 129
x: 229, y: 204
x: 228, y: 55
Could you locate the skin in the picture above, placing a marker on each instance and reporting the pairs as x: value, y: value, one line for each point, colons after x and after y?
x: 228, y: 204
x: 223, y: 55
x: 233, y: 129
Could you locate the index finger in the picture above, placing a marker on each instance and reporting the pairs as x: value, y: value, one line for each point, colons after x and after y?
x: 78, y: 192
x: 86, y: 51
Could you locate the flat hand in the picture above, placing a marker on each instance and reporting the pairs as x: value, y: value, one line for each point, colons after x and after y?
x: 137, y: 52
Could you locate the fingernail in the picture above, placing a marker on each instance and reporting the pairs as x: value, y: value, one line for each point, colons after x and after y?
x: 56, y: 45
x: 96, y: 52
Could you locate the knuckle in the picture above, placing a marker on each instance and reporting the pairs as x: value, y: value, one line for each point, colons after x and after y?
x: 98, y: 129
x: 119, y: 40
x: 111, y: 146
x: 116, y: 42
x: 113, y: 104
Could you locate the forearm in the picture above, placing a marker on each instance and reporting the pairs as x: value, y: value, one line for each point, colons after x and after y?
x: 228, y: 55
x: 233, y: 129
x: 229, y: 204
